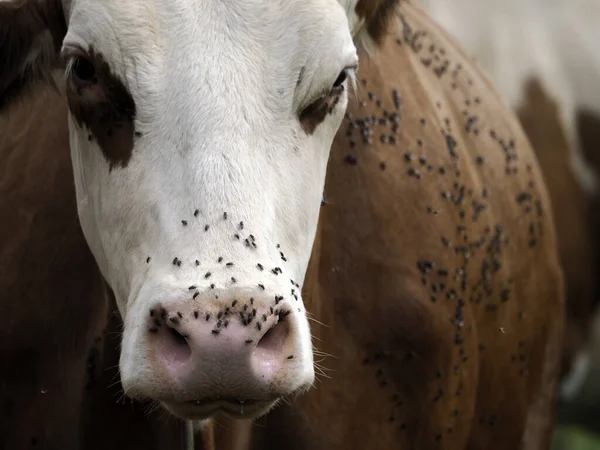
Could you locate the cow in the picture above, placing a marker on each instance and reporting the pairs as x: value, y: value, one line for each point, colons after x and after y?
x: 542, y: 58
x: 200, y: 134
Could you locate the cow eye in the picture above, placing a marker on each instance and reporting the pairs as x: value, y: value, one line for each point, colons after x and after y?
x: 83, y: 72
x: 340, y: 79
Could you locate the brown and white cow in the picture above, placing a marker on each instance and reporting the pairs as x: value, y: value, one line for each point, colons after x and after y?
x: 200, y: 134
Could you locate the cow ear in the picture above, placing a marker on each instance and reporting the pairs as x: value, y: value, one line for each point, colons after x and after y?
x: 374, y: 17
x: 31, y: 34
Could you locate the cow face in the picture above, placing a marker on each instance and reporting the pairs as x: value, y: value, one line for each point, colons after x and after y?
x: 199, y: 134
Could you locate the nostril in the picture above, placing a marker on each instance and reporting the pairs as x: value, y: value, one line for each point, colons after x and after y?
x: 271, y: 345
x: 174, y: 346
x: 178, y: 337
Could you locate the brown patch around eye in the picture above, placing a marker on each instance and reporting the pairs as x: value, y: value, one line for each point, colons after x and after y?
x: 316, y: 112
x: 107, y: 109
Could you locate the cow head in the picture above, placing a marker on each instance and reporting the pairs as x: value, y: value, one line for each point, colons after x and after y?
x: 199, y: 135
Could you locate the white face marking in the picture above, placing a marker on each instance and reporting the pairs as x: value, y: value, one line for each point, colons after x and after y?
x: 217, y: 101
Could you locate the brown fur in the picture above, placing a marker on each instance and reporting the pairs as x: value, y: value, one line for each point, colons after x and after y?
x: 588, y: 127
x: 49, y: 288
x: 377, y: 14
x: 406, y: 372
x: 22, y: 22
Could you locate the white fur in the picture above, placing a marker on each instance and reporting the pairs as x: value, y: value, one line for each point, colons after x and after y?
x: 214, y: 84
x: 554, y: 41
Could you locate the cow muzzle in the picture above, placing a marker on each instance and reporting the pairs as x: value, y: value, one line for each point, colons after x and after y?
x: 239, y: 359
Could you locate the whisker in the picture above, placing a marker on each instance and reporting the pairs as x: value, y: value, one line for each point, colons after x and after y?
x: 318, y: 321
x: 318, y: 352
x: 315, y: 337
x: 113, y: 384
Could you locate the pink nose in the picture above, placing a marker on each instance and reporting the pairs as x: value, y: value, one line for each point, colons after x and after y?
x: 234, y: 353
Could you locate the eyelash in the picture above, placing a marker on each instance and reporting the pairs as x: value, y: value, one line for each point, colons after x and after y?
x: 348, y: 74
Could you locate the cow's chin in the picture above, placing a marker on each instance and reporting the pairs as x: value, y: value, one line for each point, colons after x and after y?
x: 206, y: 408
